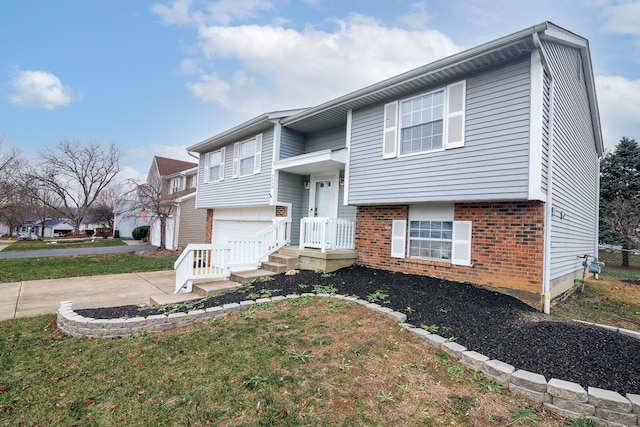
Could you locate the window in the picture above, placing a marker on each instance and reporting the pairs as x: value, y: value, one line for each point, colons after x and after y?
x: 421, y: 123
x: 431, y: 239
x: 427, y: 122
x: 215, y: 159
x: 247, y: 157
x: 175, y: 185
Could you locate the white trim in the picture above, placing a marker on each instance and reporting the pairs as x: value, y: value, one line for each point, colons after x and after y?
x: 346, y: 166
x: 314, y: 162
x: 257, y: 155
x: 275, y: 155
x: 536, y: 109
x: 334, y: 177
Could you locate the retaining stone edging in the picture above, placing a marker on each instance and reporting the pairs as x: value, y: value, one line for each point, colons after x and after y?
x: 605, y: 407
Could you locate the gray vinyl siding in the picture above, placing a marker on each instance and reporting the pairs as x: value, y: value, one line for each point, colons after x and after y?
x: 290, y: 190
x: 193, y: 223
x: 345, y: 211
x: 330, y: 139
x: 493, y: 164
x: 291, y: 143
x: 545, y: 132
x: 251, y: 190
x: 574, y: 228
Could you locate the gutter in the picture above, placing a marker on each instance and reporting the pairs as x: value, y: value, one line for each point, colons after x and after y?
x: 548, y: 212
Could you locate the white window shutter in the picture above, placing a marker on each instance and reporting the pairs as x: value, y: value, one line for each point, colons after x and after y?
x: 390, y: 136
x: 456, y: 99
x: 222, y: 158
x: 236, y: 159
x: 461, y: 245
x: 206, y: 167
x: 258, y: 157
x: 398, y: 238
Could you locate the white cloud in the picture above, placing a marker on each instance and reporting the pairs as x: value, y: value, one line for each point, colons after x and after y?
x: 619, y: 105
x: 178, y: 13
x: 286, y: 68
x: 39, y: 89
x: 417, y: 17
x: 219, y: 12
x: 622, y: 18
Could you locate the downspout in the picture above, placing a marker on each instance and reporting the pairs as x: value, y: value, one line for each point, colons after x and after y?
x: 548, y: 217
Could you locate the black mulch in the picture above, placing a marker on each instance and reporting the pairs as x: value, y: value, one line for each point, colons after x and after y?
x: 632, y: 281
x: 496, y: 325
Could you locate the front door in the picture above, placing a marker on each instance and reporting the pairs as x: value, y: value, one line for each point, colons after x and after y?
x: 323, y: 197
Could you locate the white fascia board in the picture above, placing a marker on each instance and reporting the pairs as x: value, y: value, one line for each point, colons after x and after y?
x: 309, y: 163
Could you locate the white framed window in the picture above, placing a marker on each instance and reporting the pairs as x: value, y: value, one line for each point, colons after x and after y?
x: 427, y: 122
x: 247, y: 156
x: 432, y: 235
x: 175, y: 185
x: 421, y: 123
x: 431, y: 239
x: 214, y: 167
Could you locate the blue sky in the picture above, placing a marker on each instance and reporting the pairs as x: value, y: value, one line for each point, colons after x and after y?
x: 157, y: 76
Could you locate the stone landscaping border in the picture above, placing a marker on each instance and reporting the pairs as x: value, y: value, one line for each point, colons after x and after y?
x: 605, y: 407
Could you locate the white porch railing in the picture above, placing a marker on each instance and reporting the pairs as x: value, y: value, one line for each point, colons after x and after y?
x: 327, y: 233
x: 201, y: 261
x: 210, y: 261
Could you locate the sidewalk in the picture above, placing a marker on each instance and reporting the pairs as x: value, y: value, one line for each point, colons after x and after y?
x: 35, y: 297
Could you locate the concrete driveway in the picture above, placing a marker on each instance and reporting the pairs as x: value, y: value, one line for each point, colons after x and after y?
x: 35, y: 297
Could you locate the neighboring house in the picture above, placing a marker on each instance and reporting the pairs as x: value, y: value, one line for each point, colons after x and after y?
x: 4, y: 228
x: 185, y: 224
x: 127, y: 216
x: 481, y: 167
x: 52, y: 228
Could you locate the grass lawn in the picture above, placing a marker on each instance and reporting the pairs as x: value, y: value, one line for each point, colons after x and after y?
x: 36, y: 245
x: 308, y: 361
x: 17, y: 270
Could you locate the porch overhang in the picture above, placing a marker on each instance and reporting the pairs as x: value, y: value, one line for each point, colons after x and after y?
x: 313, y: 163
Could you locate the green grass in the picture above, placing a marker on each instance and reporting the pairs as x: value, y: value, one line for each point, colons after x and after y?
x: 36, y: 245
x: 17, y: 270
x: 241, y: 372
x: 613, y: 265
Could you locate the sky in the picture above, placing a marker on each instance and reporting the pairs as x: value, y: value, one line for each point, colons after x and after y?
x: 154, y: 77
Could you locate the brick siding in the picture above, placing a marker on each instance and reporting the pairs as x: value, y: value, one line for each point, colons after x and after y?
x: 281, y: 211
x: 506, y: 248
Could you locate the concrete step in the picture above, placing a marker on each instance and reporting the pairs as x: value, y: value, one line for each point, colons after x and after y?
x: 213, y: 287
x: 172, y: 298
x: 291, y: 261
x: 275, y: 267
x: 250, y: 275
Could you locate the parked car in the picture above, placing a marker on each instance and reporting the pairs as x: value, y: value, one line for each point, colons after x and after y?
x: 27, y: 236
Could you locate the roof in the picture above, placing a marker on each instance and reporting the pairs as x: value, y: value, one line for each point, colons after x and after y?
x: 334, y: 112
x: 52, y: 222
x: 168, y: 166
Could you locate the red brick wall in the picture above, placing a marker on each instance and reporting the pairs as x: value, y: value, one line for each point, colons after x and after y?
x: 281, y: 211
x: 506, y: 248
x: 208, y: 233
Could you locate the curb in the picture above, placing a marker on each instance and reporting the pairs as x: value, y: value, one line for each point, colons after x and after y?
x: 565, y: 398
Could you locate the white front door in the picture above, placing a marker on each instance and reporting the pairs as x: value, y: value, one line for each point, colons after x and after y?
x: 323, y: 196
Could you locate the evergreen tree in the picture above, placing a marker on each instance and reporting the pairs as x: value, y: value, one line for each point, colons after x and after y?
x: 620, y: 196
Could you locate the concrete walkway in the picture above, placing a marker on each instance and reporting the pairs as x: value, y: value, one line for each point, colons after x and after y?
x: 35, y: 297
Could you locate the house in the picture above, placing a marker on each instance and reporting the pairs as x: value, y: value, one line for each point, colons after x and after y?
x: 52, y: 227
x: 128, y: 215
x: 481, y: 167
x: 176, y: 181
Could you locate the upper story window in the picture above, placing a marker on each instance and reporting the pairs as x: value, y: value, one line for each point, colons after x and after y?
x: 175, y: 185
x: 421, y: 123
x: 247, y: 156
x: 215, y: 165
x: 427, y: 122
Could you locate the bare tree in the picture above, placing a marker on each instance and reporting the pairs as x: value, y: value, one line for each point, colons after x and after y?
x: 152, y: 197
x: 77, y: 173
x: 11, y: 196
x: 103, y: 209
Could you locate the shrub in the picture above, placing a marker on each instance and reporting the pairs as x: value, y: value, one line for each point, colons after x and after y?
x: 140, y: 233
x: 89, y: 232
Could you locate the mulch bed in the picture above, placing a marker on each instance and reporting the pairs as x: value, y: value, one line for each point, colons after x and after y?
x: 496, y: 325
